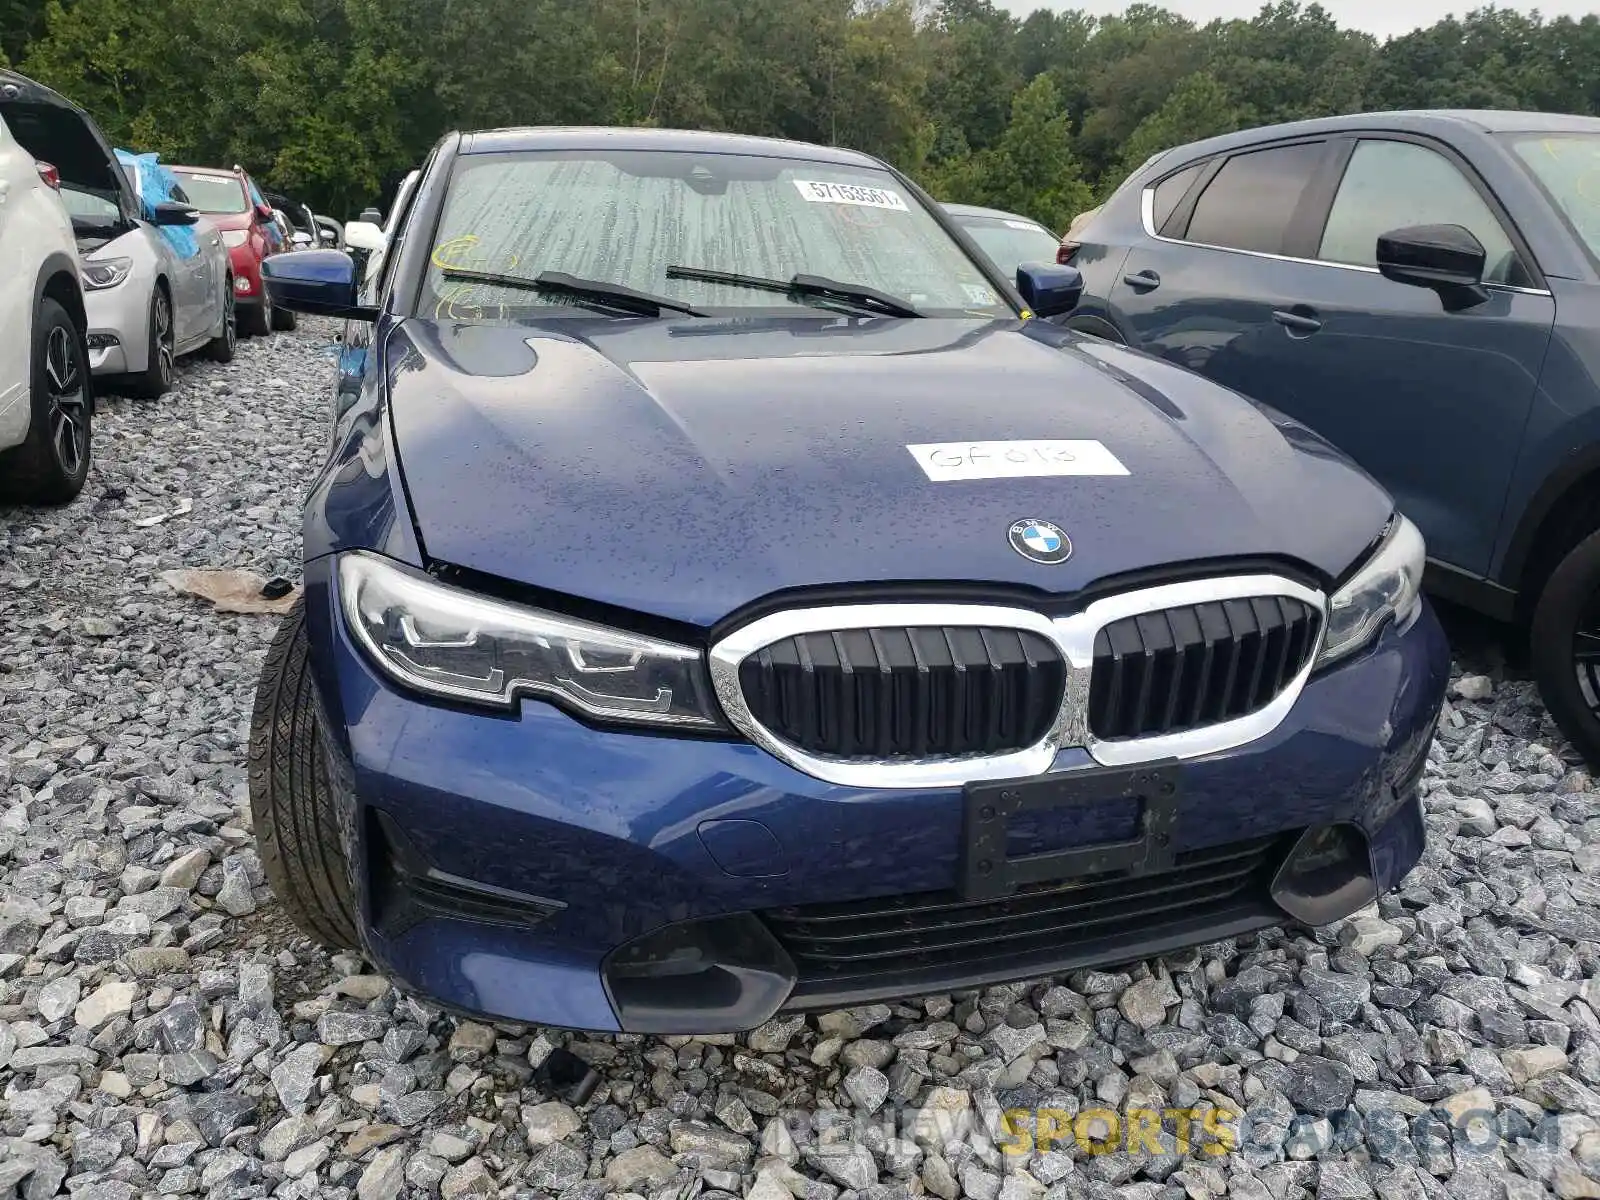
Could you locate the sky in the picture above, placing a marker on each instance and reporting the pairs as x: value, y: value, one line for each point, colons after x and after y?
x: 1383, y: 18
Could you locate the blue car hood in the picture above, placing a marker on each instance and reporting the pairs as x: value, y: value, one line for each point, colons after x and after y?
x: 687, y: 468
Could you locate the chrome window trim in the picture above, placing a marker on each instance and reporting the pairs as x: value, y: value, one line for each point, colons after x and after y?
x: 1074, y: 635
x: 1147, y: 217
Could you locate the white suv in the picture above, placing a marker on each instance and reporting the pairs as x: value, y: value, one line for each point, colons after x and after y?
x: 45, y: 396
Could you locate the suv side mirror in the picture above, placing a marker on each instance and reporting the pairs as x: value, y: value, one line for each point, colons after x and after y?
x: 170, y: 212
x: 1445, y: 258
x: 371, y: 215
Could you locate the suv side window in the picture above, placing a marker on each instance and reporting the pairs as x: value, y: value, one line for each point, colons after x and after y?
x: 1169, y: 192
x: 1250, y: 202
x: 1389, y: 185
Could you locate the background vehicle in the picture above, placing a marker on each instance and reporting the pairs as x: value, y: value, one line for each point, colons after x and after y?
x: 231, y: 199
x: 690, y: 633
x: 156, y: 286
x: 153, y: 276
x: 1007, y: 238
x: 368, y: 242
x: 369, y: 238
x: 1423, y: 289
x: 46, y: 399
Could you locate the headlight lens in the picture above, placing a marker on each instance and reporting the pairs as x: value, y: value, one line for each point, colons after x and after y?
x: 235, y: 237
x: 1389, y: 584
x: 447, y: 642
x: 101, y: 273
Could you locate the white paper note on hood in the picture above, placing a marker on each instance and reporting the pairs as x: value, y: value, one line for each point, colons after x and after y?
x: 944, y: 462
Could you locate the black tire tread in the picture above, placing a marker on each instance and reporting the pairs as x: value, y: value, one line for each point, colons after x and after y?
x: 29, y: 472
x: 217, y: 349
x: 147, y: 384
x: 254, y: 320
x: 291, y: 803
x: 1571, y: 589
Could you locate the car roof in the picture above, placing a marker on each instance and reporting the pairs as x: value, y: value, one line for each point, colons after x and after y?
x: 548, y: 137
x: 999, y: 214
x: 1437, y: 121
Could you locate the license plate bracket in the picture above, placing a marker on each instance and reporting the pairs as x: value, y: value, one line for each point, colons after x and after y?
x: 986, y: 871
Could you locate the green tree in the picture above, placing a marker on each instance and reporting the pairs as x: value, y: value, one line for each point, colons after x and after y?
x: 1199, y: 107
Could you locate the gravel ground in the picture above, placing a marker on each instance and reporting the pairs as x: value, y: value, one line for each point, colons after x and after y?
x: 164, y: 1032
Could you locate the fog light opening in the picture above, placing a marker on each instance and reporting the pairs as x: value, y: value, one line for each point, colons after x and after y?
x: 715, y: 975
x: 103, y: 341
x: 1327, y: 876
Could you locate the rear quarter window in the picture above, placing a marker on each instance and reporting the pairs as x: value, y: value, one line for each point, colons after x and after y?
x: 1170, y: 193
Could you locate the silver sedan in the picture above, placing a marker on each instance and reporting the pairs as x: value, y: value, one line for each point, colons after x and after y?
x: 156, y: 278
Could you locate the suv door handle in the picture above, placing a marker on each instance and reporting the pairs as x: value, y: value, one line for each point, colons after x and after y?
x: 1299, y: 320
x: 1142, y: 281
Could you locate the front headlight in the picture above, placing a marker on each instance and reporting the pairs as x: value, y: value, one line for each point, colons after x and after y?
x: 447, y: 642
x: 235, y: 237
x: 1389, y: 584
x: 101, y: 273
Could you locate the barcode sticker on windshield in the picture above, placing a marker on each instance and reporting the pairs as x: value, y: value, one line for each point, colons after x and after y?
x: 849, y: 193
x: 1021, y: 225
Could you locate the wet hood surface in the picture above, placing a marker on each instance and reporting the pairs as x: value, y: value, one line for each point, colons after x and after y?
x: 687, y: 468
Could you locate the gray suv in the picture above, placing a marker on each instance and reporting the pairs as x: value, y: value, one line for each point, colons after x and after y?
x: 1423, y: 289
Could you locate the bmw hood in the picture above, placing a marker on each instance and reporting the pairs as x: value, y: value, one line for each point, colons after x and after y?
x: 685, y: 469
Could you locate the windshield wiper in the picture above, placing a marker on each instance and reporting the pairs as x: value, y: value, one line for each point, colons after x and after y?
x: 610, y: 295
x: 809, y: 287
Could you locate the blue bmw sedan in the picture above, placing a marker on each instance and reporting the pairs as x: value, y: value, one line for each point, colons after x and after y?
x: 724, y: 596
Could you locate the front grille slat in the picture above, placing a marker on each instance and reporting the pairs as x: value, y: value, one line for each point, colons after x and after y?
x: 853, y: 943
x: 1186, y: 667
x: 898, y: 693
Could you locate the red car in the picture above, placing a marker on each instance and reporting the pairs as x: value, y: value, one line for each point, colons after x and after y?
x: 232, y: 200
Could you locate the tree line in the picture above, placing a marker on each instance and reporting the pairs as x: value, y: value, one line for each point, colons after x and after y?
x: 333, y: 100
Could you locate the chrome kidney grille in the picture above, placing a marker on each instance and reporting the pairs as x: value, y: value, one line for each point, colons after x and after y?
x: 929, y: 695
x: 1186, y: 668
x: 906, y: 692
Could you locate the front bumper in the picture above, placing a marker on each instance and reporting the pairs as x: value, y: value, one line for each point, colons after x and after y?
x: 119, y: 329
x: 246, y: 266
x: 539, y: 870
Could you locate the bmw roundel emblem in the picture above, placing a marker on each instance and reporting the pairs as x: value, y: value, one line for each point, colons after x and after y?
x: 1041, y: 541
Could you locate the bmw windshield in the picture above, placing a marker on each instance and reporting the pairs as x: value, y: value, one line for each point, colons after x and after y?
x: 691, y: 233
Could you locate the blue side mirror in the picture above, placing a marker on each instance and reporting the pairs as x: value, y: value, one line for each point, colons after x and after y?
x: 319, y: 282
x: 1050, y: 289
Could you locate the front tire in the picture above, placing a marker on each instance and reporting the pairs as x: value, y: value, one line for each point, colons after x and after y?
x: 291, y: 801
x: 256, y: 320
x: 220, y: 348
x: 161, y: 362
x: 52, y: 463
x: 1564, y: 647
